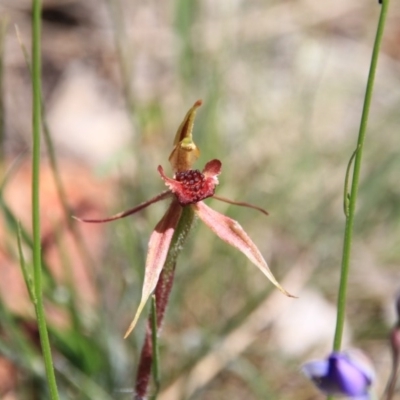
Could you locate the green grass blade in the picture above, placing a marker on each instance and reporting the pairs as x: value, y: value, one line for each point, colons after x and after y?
x: 36, y: 130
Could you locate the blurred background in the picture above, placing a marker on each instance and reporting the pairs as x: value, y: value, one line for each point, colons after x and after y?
x: 282, y: 84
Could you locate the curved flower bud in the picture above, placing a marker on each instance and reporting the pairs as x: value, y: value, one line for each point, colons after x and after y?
x: 346, y: 373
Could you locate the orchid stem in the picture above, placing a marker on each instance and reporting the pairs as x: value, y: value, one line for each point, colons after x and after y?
x: 37, y: 262
x: 149, y: 355
x: 156, y: 352
x: 350, y: 205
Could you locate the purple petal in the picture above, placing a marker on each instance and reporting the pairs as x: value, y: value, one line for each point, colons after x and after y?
x: 346, y: 373
x: 362, y: 362
x: 318, y: 372
x: 350, y: 378
x: 315, y: 369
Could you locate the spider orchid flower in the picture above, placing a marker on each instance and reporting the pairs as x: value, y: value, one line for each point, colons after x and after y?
x: 188, y: 188
x: 347, y: 374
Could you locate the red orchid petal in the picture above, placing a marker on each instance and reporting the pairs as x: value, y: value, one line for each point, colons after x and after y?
x: 212, y: 168
x: 159, y: 243
x: 174, y: 185
x: 240, y: 203
x: 134, y: 210
x: 232, y: 233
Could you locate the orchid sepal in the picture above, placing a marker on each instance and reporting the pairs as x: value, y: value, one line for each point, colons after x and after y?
x: 158, y: 248
x: 185, y: 151
x: 241, y: 204
x: 163, y: 195
x: 232, y: 233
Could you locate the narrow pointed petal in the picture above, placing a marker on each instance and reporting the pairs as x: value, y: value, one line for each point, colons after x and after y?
x: 173, y: 184
x: 185, y: 151
x: 159, y: 243
x: 232, y: 233
x: 134, y: 210
x: 186, y: 128
x: 240, y: 203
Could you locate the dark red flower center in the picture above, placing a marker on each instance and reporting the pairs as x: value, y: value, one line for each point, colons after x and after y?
x: 195, y: 187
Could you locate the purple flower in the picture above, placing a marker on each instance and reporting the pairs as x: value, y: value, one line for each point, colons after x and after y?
x: 346, y: 374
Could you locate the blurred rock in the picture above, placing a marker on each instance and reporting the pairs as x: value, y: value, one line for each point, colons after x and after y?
x: 307, y: 326
x: 86, y: 117
x: 85, y: 194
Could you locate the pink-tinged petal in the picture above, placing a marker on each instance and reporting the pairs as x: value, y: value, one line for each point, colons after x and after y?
x: 174, y: 185
x: 232, y: 233
x: 159, y: 243
x: 212, y: 168
x: 134, y: 210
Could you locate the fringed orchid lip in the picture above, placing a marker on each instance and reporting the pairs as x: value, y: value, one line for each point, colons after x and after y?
x: 192, y: 186
x: 188, y: 188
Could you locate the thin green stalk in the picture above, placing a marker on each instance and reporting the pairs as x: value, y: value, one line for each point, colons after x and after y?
x: 26, y: 274
x: 346, y: 196
x: 36, y: 130
x: 341, y: 303
x: 117, y: 19
x: 62, y: 195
